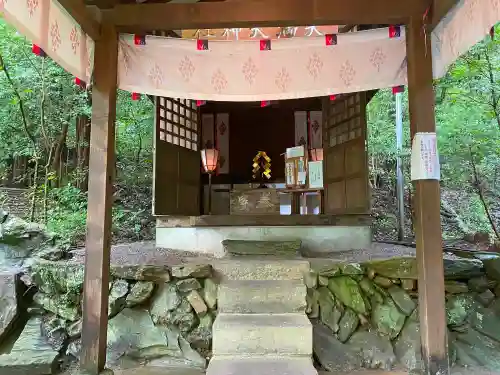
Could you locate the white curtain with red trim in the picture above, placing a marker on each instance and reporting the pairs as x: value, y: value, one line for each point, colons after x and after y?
x: 241, y: 71
x: 49, y: 26
x: 467, y: 24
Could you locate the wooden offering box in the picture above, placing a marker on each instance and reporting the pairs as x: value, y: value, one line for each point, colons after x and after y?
x: 255, y: 202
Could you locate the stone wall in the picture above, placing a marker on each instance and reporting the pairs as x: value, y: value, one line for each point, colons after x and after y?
x: 160, y: 316
x: 366, y: 315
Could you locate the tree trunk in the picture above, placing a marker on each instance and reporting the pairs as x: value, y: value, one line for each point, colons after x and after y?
x: 61, y: 142
x: 83, y: 151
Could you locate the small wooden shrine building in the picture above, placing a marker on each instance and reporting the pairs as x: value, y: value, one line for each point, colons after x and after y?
x: 83, y: 36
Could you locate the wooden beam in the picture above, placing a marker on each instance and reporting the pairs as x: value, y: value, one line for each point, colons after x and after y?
x: 101, y: 171
x: 261, y: 220
x: 427, y: 218
x: 439, y: 9
x: 259, y: 13
x: 78, y: 10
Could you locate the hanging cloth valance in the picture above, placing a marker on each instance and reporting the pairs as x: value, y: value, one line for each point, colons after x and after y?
x: 258, y: 70
x: 467, y: 23
x: 49, y: 26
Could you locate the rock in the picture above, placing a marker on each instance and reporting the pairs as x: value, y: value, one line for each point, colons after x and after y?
x: 197, y: 303
x: 20, y: 239
x: 182, y: 316
x: 140, y: 293
x: 376, y: 351
x: 9, y: 294
x: 188, y: 285
x: 492, y: 267
x: 347, y: 325
x: 331, y: 353
x: 395, y: 268
x: 142, y: 272
x: 382, y: 281
x: 458, y: 308
x: 479, y: 284
x: 387, y: 319
x: 199, y: 271
x: 63, y: 279
x: 477, y: 350
x: 371, y: 290
x: 117, y: 297
x: 402, y: 300
x: 352, y: 269
x: 329, y: 311
x: 166, y: 299
x: 408, y: 284
x: 209, y: 293
x: 75, y: 329
x: 349, y: 293
x: 57, y: 306
x: 312, y: 300
x: 495, y: 306
x: 485, y: 298
x: 181, y: 355
x: 485, y: 321
x: 455, y: 287
x: 201, y: 336
x: 311, y: 279
x: 407, y: 347
x: 31, y: 353
x: 133, y: 337
x: 75, y: 348
x: 54, y: 330
x: 456, y: 269
x: 330, y: 270
x: 406, y: 268
x: 322, y: 280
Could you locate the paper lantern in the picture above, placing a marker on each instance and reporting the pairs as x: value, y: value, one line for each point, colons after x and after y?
x: 316, y: 154
x: 333, y: 97
x: 136, y: 96
x: 210, y: 158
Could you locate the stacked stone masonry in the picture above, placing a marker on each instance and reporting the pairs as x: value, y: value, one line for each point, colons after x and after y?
x: 359, y: 315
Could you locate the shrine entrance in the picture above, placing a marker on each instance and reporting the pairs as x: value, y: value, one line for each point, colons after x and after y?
x: 331, y: 216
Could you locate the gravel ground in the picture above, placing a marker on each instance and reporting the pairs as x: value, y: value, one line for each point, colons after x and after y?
x: 180, y: 371
x: 147, y: 253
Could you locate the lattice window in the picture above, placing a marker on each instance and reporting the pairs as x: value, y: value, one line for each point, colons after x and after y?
x: 344, y: 121
x: 178, y: 120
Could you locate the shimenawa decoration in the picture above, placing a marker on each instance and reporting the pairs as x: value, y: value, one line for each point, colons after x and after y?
x: 261, y: 166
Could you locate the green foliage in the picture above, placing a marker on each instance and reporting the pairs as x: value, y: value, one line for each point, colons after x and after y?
x: 468, y: 129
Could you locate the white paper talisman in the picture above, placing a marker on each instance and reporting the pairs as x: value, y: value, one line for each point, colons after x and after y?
x: 425, y: 157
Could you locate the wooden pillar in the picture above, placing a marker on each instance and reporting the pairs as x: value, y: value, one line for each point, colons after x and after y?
x: 427, y: 219
x: 101, y: 172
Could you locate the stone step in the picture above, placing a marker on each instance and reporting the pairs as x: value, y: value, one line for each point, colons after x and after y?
x: 246, y: 247
x: 262, y: 296
x: 262, y: 334
x: 222, y: 365
x: 245, y: 268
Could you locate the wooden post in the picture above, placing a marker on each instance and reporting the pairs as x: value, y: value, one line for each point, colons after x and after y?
x: 427, y: 208
x: 101, y: 172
